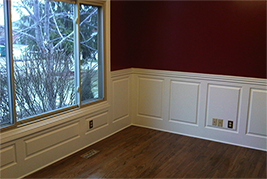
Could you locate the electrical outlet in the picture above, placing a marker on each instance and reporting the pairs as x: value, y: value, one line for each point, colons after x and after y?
x: 230, y: 124
x: 214, y: 121
x: 91, y: 124
x: 220, y: 122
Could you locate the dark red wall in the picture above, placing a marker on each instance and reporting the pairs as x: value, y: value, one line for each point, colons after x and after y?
x: 221, y: 37
x: 119, y: 35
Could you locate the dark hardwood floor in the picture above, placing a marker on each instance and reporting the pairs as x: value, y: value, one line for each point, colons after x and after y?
x: 138, y: 152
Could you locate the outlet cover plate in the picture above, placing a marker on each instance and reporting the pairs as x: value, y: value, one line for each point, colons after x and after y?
x: 230, y: 124
x: 220, y: 122
x: 214, y: 121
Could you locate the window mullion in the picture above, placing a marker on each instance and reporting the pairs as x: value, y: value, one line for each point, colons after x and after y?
x: 9, y: 61
x: 100, y: 54
x: 77, y: 53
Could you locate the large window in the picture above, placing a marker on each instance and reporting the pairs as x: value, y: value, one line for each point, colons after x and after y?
x: 51, y: 58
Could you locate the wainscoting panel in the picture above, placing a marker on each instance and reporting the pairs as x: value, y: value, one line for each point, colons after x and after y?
x: 223, y: 103
x: 121, y: 98
x: 150, y: 97
x: 99, y: 120
x: 8, y: 156
x: 257, y: 112
x: 50, y: 138
x: 184, y: 101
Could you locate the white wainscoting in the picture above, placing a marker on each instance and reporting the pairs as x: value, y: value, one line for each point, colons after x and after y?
x: 150, y: 91
x: 257, y: 112
x: 36, y: 144
x: 223, y: 102
x: 8, y: 156
x: 121, y: 98
x: 186, y: 103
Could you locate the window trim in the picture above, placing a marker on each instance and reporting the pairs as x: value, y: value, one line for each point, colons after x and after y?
x: 105, y: 33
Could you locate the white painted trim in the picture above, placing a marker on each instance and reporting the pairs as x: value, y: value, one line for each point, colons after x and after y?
x: 119, y: 73
x: 200, y: 76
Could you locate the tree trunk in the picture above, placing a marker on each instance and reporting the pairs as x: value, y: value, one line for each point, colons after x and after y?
x: 38, y: 34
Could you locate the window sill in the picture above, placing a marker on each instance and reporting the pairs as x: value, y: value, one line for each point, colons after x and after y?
x: 25, y: 130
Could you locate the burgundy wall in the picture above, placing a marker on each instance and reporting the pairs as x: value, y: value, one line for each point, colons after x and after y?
x: 119, y: 35
x: 221, y: 37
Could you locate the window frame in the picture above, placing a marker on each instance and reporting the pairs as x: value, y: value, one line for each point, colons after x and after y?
x: 103, y: 31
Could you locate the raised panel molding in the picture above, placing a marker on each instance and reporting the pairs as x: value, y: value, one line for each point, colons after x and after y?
x: 150, y: 97
x: 121, y: 96
x: 8, y: 156
x: 99, y: 121
x: 184, y: 101
x: 223, y: 103
x: 257, y: 112
x: 49, y: 139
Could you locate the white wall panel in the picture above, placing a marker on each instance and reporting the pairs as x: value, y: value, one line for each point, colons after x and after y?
x: 121, y: 96
x: 8, y: 156
x: 98, y: 121
x: 150, y: 97
x: 184, y: 101
x: 257, y: 112
x: 223, y: 103
x: 50, y: 138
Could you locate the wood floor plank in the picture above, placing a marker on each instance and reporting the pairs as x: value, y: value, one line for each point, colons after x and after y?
x: 138, y: 152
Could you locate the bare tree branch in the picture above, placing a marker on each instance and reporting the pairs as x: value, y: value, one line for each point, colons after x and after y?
x: 90, y: 15
x: 27, y: 9
x: 62, y: 40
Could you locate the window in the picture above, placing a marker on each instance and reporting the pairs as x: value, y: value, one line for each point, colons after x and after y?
x: 51, y: 58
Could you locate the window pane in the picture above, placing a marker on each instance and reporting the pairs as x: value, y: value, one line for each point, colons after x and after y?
x: 43, y: 43
x: 4, y: 104
x: 91, y: 60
